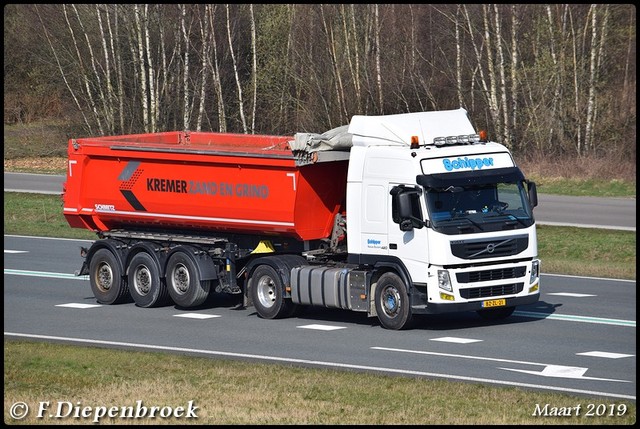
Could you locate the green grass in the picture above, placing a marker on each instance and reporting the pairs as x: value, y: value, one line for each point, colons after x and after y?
x: 614, y: 188
x: 587, y: 252
x: 239, y: 393
x: 38, y: 215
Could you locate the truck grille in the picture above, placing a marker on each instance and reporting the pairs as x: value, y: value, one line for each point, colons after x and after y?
x: 478, y: 249
x: 489, y: 291
x: 490, y: 275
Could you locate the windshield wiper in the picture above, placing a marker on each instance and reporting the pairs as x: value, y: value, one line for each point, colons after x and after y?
x: 510, y: 216
x: 457, y: 218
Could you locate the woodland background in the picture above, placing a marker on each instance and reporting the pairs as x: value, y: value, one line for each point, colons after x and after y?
x: 546, y: 79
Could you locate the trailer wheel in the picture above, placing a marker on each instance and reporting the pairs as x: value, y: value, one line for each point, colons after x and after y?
x: 496, y: 313
x: 392, y: 302
x: 145, y: 285
x: 267, y: 294
x: 105, y: 276
x: 183, y: 281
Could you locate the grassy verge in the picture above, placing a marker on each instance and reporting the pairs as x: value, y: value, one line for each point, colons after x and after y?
x: 241, y: 393
x: 38, y: 215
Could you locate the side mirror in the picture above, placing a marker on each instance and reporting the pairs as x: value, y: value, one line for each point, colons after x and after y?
x: 533, y: 193
x: 406, y: 208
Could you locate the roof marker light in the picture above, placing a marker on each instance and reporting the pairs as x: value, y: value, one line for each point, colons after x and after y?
x: 415, y: 143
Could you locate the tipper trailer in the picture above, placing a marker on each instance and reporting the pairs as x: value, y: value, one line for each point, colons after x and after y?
x: 392, y: 215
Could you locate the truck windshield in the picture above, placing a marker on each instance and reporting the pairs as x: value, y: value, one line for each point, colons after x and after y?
x: 478, y: 207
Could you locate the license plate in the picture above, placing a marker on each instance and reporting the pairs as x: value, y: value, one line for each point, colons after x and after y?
x: 494, y: 303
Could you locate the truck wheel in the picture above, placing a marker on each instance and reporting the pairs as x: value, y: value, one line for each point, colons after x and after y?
x: 392, y: 302
x: 496, y: 313
x: 105, y: 275
x: 183, y: 281
x: 267, y: 294
x: 145, y: 286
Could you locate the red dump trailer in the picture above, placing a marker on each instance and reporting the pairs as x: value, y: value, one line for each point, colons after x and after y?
x: 200, y: 181
x: 174, y: 212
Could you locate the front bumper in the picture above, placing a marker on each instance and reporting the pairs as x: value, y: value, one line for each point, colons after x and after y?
x: 439, y: 308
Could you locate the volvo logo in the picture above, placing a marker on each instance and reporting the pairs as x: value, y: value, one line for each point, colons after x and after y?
x: 491, y: 247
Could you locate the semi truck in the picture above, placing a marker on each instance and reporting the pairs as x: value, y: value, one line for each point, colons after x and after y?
x: 391, y: 215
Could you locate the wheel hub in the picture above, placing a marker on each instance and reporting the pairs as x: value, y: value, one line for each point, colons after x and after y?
x: 142, y: 280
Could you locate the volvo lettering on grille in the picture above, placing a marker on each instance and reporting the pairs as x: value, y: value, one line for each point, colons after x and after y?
x: 491, y: 247
x: 482, y: 248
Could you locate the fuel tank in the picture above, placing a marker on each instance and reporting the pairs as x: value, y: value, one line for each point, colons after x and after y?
x: 202, y: 181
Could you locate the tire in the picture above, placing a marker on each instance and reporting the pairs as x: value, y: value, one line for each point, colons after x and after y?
x: 185, y: 287
x: 496, y: 313
x: 145, y: 285
x: 267, y: 294
x: 392, y: 302
x: 107, y: 282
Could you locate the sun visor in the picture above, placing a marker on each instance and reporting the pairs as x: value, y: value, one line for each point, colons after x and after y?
x: 464, y: 178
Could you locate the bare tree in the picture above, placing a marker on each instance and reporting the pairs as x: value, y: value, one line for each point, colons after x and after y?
x: 204, y: 64
x: 142, y: 75
x: 235, y: 71
x: 215, y: 71
x: 377, y: 56
x: 506, y: 132
x: 186, y: 33
x: 72, y: 90
x: 254, y: 69
x: 515, y: 24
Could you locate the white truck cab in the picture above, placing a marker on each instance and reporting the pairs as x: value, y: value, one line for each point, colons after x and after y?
x: 450, y: 213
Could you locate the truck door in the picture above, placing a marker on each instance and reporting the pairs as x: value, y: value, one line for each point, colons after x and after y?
x: 375, y: 199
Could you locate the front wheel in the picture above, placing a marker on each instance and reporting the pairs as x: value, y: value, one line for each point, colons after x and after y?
x: 267, y: 294
x: 392, y: 302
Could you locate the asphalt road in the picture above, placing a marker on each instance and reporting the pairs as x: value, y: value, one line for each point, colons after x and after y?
x: 579, y: 339
x: 593, y: 212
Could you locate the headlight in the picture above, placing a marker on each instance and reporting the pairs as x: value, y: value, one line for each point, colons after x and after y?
x: 443, y: 280
x: 535, y: 271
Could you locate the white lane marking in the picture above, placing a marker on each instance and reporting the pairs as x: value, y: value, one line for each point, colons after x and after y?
x: 196, y: 315
x: 15, y: 251
x: 575, y: 295
x: 44, y: 274
x: 575, y: 318
x: 455, y: 340
x: 78, y: 305
x: 382, y: 370
x: 321, y: 327
x: 560, y: 371
x: 548, y: 371
x: 607, y: 355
